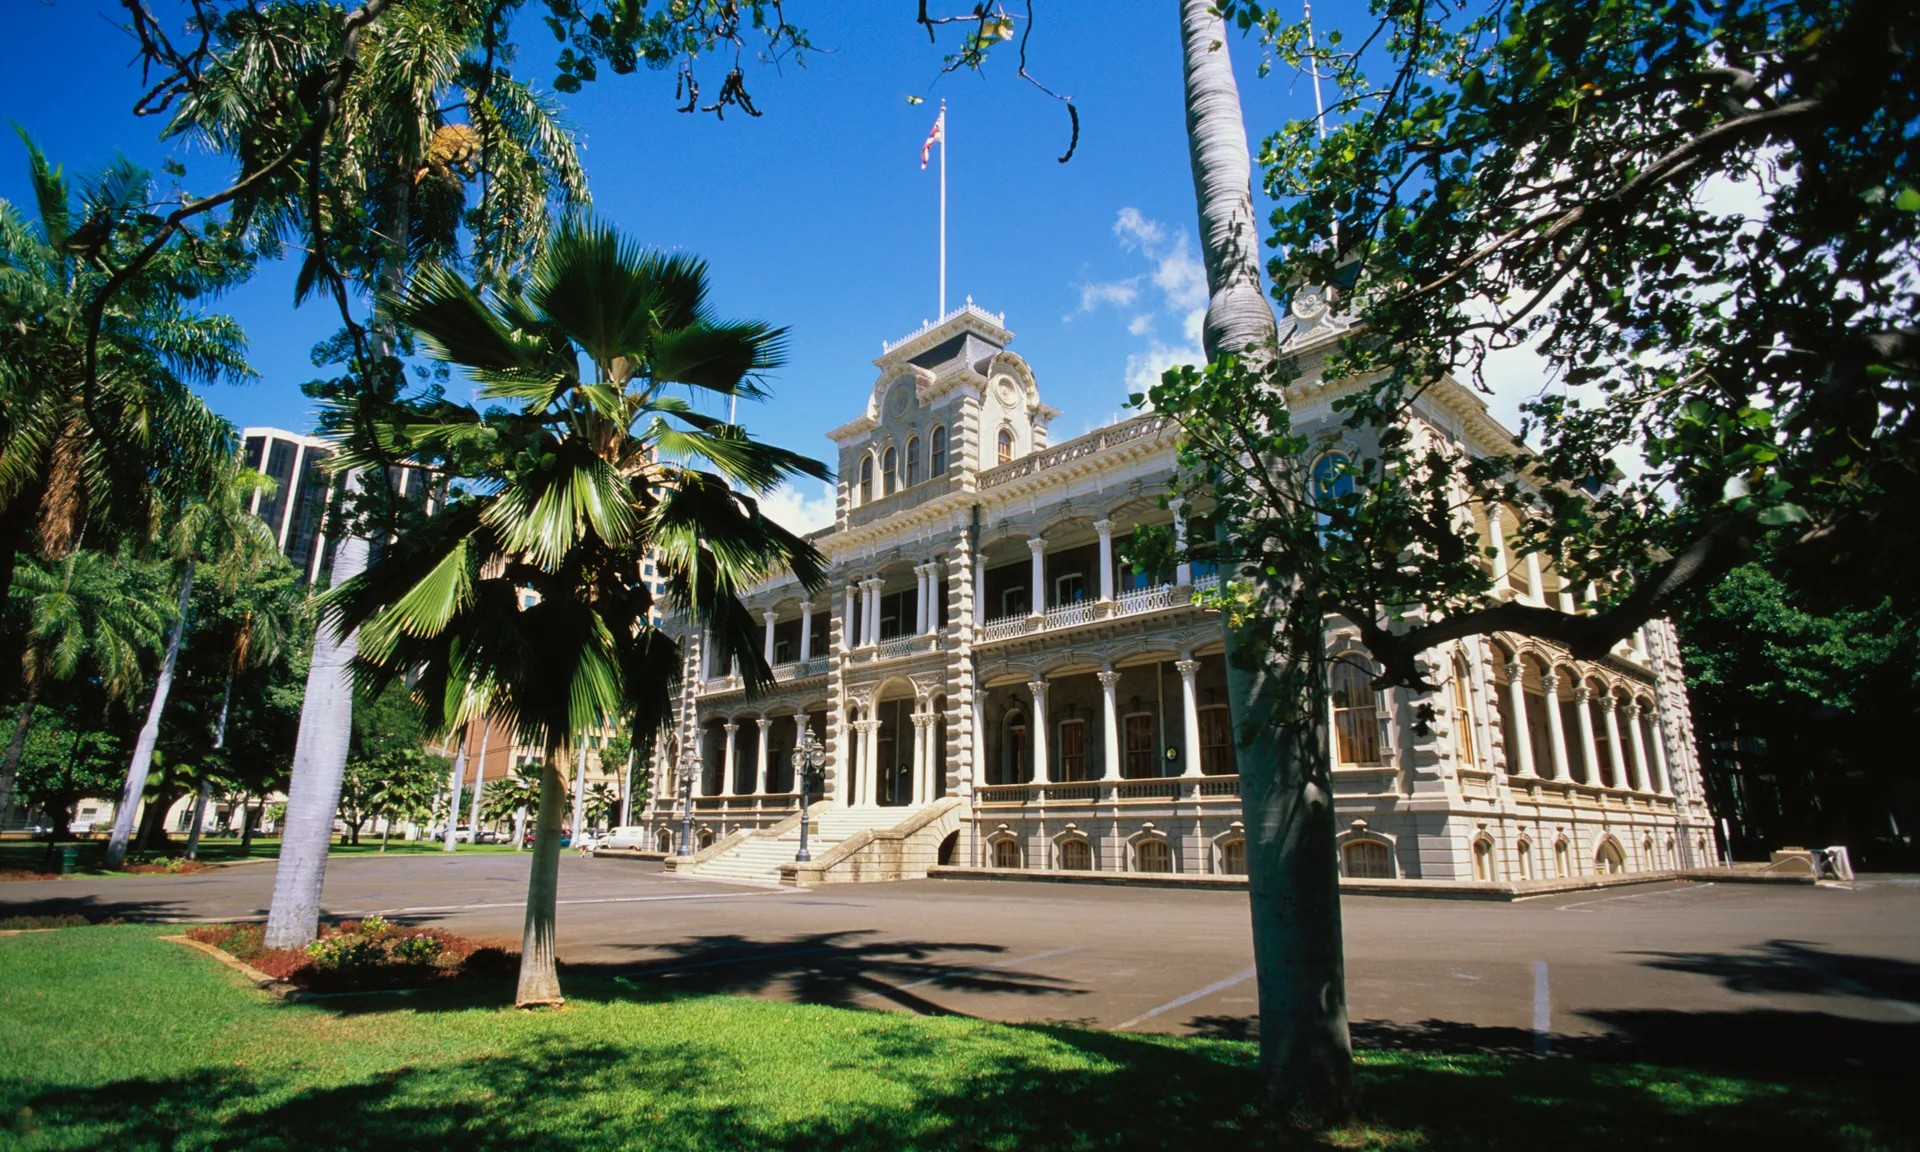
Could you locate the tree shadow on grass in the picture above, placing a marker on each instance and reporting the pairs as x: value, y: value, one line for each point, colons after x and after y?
x: 922, y: 1085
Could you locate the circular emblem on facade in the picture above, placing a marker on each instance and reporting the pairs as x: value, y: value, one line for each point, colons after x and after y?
x: 897, y: 399
x: 1007, y: 391
x: 1309, y: 305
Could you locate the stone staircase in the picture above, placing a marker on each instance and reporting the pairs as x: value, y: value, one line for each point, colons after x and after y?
x: 758, y: 854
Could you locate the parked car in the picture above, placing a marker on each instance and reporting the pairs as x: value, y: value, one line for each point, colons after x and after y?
x: 629, y: 839
x: 486, y: 837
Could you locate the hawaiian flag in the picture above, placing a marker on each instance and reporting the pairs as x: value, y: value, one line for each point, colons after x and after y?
x: 937, y: 136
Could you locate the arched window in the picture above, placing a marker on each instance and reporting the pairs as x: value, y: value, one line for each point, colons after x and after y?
x: 1075, y: 856
x: 889, y: 472
x: 1233, y: 858
x: 1006, y: 853
x: 1523, y: 854
x: 1483, y: 859
x: 1356, y: 715
x: 1463, y: 740
x: 1153, y: 856
x: 1608, y: 859
x: 1369, y: 860
x: 706, y: 838
x: 866, y: 479
x: 1562, y: 862
x: 913, y: 461
x: 1332, y: 477
x: 937, y: 463
x: 663, y: 841
x: 1647, y: 861
x: 1006, y: 445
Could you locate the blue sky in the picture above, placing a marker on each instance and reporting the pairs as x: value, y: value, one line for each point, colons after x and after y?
x: 815, y: 215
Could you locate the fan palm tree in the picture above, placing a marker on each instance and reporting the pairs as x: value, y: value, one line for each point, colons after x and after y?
x: 219, y: 529
x: 603, y: 801
x: 98, y: 457
x: 86, y: 616
x: 526, y: 599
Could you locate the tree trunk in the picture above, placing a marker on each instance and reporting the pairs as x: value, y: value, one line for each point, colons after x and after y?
x: 202, y: 788
x: 539, y: 972
x: 22, y: 721
x: 456, y: 777
x: 136, y: 783
x: 386, y: 830
x: 206, y: 785
x: 1306, y: 1059
x: 626, y: 791
x: 153, y: 820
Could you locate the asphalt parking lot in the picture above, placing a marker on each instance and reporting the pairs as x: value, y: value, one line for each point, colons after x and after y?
x: 1671, y: 965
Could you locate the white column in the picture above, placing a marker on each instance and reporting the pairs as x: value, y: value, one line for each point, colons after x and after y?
x: 849, y: 624
x: 1519, y: 759
x: 1105, y: 528
x: 866, y: 613
x: 871, y: 787
x: 1662, y: 775
x: 766, y: 648
x: 1037, y: 600
x: 760, y: 765
x: 1183, y: 572
x: 1501, y: 562
x: 1190, y: 711
x: 917, y: 782
x: 806, y: 631
x: 1583, y: 711
x: 727, y: 762
x: 873, y: 610
x: 1534, y: 587
x: 1639, y: 748
x: 1109, y: 688
x: 1039, y: 730
x: 934, y: 592
x: 981, y: 612
x: 1556, y: 727
x: 919, y: 600
x: 1615, y: 753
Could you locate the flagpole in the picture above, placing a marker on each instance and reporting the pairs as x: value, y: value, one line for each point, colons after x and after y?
x: 943, y: 210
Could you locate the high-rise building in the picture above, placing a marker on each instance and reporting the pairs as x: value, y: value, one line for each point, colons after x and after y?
x: 296, y: 507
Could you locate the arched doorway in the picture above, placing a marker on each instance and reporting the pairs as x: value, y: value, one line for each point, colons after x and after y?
x: 1609, y: 859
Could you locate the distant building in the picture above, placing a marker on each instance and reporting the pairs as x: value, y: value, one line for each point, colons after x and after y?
x: 303, y: 490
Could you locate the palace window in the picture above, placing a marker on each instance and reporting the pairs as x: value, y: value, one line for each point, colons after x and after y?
x: 1369, y: 860
x: 1216, y: 741
x: 1608, y: 859
x: 1073, y: 749
x: 1141, y: 760
x: 1070, y: 588
x: 1013, y: 768
x: 1233, y: 858
x: 1153, y: 856
x: 937, y: 463
x: 913, y: 461
x: 1523, y: 855
x: 1075, y: 856
x: 1602, y: 743
x: 889, y: 472
x: 1483, y: 859
x: 1462, y: 716
x: 1562, y: 865
x: 1013, y: 601
x: 866, y: 479
x: 1006, y: 853
x: 1356, y: 712
x: 1006, y: 445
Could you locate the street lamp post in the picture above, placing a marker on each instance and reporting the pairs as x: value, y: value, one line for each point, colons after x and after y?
x: 808, y: 759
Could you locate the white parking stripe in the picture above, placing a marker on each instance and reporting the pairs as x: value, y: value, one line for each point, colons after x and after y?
x: 1187, y: 999
x: 971, y: 971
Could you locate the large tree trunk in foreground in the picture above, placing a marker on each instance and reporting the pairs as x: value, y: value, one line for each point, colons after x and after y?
x: 539, y: 972
x: 1306, y: 1059
x: 319, y: 763
x: 136, y: 783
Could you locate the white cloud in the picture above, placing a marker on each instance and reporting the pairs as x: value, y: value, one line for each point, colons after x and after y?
x: 1119, y: 293
x: 1140, y: 325
x: 1136, y: 231
x: 1181, y: 276
x: 798, y: 512
x: 1144, y: 368
x: 1181, y: 279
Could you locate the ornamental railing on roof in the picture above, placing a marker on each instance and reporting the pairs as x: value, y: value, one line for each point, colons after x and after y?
x: 997, y: 318
x: 1125, y: 432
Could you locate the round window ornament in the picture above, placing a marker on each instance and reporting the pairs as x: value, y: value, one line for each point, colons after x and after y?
x: 1309, y: 304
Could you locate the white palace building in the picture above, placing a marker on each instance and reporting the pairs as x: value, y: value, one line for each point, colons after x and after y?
x: 996, y: 689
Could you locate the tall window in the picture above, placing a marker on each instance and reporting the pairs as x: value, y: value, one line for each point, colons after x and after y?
x: 1356, y: 712
x: 1075, y: 856
x: 1006, y: 853
x: 1562, y: 865
x: 889, y: 471
x: 1463, y: 716
x: 1523, y: 857
x: 1073, y: 749
x: 1233, y: 858
x: 937, y: 465
x: 1602, y: 744
x: 1140, y: 751
x: 1216, y: 741
x: 913, y: 461
x: 1369, y: 860
x: 1483, y: 859
x: 1006, y: 445
x: 1013, y: 768
x: 1153, y: 856
x: 866, y: 479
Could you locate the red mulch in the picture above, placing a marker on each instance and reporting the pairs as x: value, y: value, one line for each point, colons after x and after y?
x: 459, y: 958
x: 178, y: 867
x: 22, y: 874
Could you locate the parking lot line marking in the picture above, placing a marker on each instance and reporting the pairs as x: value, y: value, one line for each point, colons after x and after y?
x: 1634, y: 896
x: 585, y: 900
x: 1187, y: 999
x: 1542, y: 1009
x: 970, y: 971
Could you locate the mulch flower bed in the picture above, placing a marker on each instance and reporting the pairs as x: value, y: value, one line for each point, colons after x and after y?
x: 26, y: 874
x: 173, y: 866
x: 363, y: 956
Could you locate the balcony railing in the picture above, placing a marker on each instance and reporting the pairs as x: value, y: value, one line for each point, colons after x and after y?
x: 1005, y: 626
x: 1124, y: 432
x: 1165, y: 789
x: 1068, y: 615
x: 1144, y: 600
x: 1206, y: 583
x: 895, y: 648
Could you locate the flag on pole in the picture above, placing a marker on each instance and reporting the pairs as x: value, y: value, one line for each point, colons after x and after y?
x: 937, y: 136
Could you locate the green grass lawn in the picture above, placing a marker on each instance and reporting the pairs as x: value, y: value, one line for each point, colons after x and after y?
x: 32, y: 854
x: 114, y: 1039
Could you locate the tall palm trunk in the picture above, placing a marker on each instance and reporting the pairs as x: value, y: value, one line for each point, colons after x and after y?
x: 326, y: 715
x: 455, y: 778
x: 539, y: 973
x: 1306, y: 1058
x: 205, y: 785
x: 16, y: 747
x: 142, y: 762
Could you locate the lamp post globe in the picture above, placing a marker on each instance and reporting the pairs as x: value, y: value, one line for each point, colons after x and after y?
x: 808, y: 758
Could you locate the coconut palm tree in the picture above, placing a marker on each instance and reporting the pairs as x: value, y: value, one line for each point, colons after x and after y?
x: 1286, y: 786
x: 218, y: 529
x: 526, y: 599
x: 86, y: 616
x: 97, y: 457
